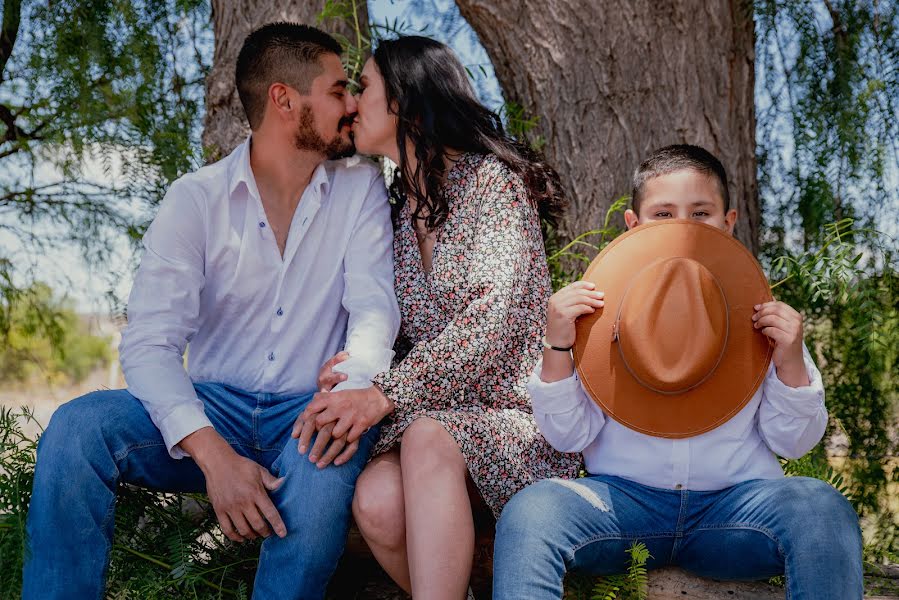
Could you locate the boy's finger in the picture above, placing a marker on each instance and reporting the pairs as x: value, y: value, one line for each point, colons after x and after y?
x: 775, y: 334
x: 577, y: 311
x: 595, y: 303
x: 768, y: 309
x: 773, y: 321
x: 589, y: 294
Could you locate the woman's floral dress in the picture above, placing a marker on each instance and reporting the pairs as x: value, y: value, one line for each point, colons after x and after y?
x: 474, y: 325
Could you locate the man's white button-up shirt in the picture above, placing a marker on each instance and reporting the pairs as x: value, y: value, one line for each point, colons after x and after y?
x: 212, y: 276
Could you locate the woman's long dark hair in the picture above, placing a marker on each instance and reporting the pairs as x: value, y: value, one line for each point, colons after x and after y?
x: 429, y: 90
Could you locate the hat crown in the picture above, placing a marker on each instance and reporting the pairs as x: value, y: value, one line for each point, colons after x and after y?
x: 672, y: 325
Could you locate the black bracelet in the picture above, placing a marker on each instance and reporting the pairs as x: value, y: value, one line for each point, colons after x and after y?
x: 549, y: 346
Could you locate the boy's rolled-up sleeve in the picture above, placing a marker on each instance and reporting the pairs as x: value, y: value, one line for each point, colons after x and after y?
x: 792, y: 420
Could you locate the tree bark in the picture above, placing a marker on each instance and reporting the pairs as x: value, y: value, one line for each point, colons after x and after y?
x: 612, y: 81
x: 232, y: 20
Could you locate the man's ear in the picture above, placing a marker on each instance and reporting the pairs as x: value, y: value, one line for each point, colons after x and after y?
x: 631, y: 219
x: 279, y: 97
x: 730, y: 219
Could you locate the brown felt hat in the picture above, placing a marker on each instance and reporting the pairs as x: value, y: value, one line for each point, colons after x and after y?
x: 673, y: 353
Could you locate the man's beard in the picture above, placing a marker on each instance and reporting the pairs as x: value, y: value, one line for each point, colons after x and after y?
x: 307, y: 138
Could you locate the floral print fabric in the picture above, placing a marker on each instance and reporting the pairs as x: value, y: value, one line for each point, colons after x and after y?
x: 473, y: 326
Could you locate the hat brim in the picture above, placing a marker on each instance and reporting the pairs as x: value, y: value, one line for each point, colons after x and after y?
x: 747, y: 353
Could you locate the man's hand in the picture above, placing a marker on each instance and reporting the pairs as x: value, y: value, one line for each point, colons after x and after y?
x: 342, y: 416
x: 783, y: 324
x: 565, y: 306
x: 237, y: 487
x: 327, y: 376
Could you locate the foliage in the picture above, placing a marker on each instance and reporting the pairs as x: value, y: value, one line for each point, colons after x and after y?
x: 17, y: 454
x: 100, y: 104
x: 828, y: 152
x: 828, y: 137
x: 46, y: 339
x: 165, y: 546
x: 579, y: 251
x: 363, y: 36
x: 630, y: 585
x: 850, y: 301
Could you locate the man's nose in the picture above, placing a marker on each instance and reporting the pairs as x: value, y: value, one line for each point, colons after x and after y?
x: 350, y: 104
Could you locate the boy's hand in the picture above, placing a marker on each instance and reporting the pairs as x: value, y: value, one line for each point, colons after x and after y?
x: 783, y: 324
x: 565, y: 306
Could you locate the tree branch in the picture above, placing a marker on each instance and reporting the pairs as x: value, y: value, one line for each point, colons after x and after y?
x: 9, y: 31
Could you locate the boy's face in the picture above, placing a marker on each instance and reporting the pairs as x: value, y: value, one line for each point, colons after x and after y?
x: 684, y: 194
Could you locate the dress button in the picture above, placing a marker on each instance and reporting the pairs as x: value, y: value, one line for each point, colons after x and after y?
x: 262, y: 224
x: 280, y: 312
x: 678, y: 486
x: 271, y: 356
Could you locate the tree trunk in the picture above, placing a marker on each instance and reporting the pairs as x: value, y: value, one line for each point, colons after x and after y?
x: 612, y: 81
x: 225, y: 125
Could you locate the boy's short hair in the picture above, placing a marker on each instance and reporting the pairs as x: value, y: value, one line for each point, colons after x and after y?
x: 676, y: 158
x: 279, y: 53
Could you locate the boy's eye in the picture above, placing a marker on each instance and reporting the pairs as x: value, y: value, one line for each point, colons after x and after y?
x: 663, y: 214
x: 700, y: 213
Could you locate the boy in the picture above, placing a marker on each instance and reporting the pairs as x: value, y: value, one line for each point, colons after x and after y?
x: 717, y: 503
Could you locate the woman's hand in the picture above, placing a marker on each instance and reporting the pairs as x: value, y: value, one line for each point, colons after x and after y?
x: 327, y: 376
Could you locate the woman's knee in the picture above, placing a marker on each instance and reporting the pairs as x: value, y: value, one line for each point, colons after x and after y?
x: 379, y: 512
x: 427, y: 445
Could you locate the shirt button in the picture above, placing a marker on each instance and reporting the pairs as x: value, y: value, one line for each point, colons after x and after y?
x: 280, y: 312
x: 678, y: 486
x: 271, y: 356
x: 262, y: 224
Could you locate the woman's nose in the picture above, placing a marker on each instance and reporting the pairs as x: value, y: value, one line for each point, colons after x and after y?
x: 350, y: 104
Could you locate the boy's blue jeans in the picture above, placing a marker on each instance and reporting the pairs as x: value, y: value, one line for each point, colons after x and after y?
x: 796, y: 526
x: 105, y: 438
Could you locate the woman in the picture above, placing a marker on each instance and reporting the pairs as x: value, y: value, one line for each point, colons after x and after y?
x: 472, y: 284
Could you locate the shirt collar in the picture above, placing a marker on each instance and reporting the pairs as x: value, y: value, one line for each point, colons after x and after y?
x: 242, y: 173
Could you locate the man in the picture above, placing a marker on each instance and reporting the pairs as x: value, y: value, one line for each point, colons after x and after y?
x: 267, y: 262
x: 680, y: 434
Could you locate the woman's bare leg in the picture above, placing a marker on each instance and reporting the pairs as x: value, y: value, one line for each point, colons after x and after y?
x: 380, y: 516
x: 439, y: 523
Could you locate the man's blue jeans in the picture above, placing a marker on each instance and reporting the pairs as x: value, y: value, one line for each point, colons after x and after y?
x: 796, y: 526
x: 105, y: 438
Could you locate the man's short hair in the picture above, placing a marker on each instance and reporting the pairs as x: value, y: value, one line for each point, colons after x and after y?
x: 676, y: 158
x: 281, y: 52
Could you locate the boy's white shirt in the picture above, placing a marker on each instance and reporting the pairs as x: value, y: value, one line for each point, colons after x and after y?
x: 778, y: 420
